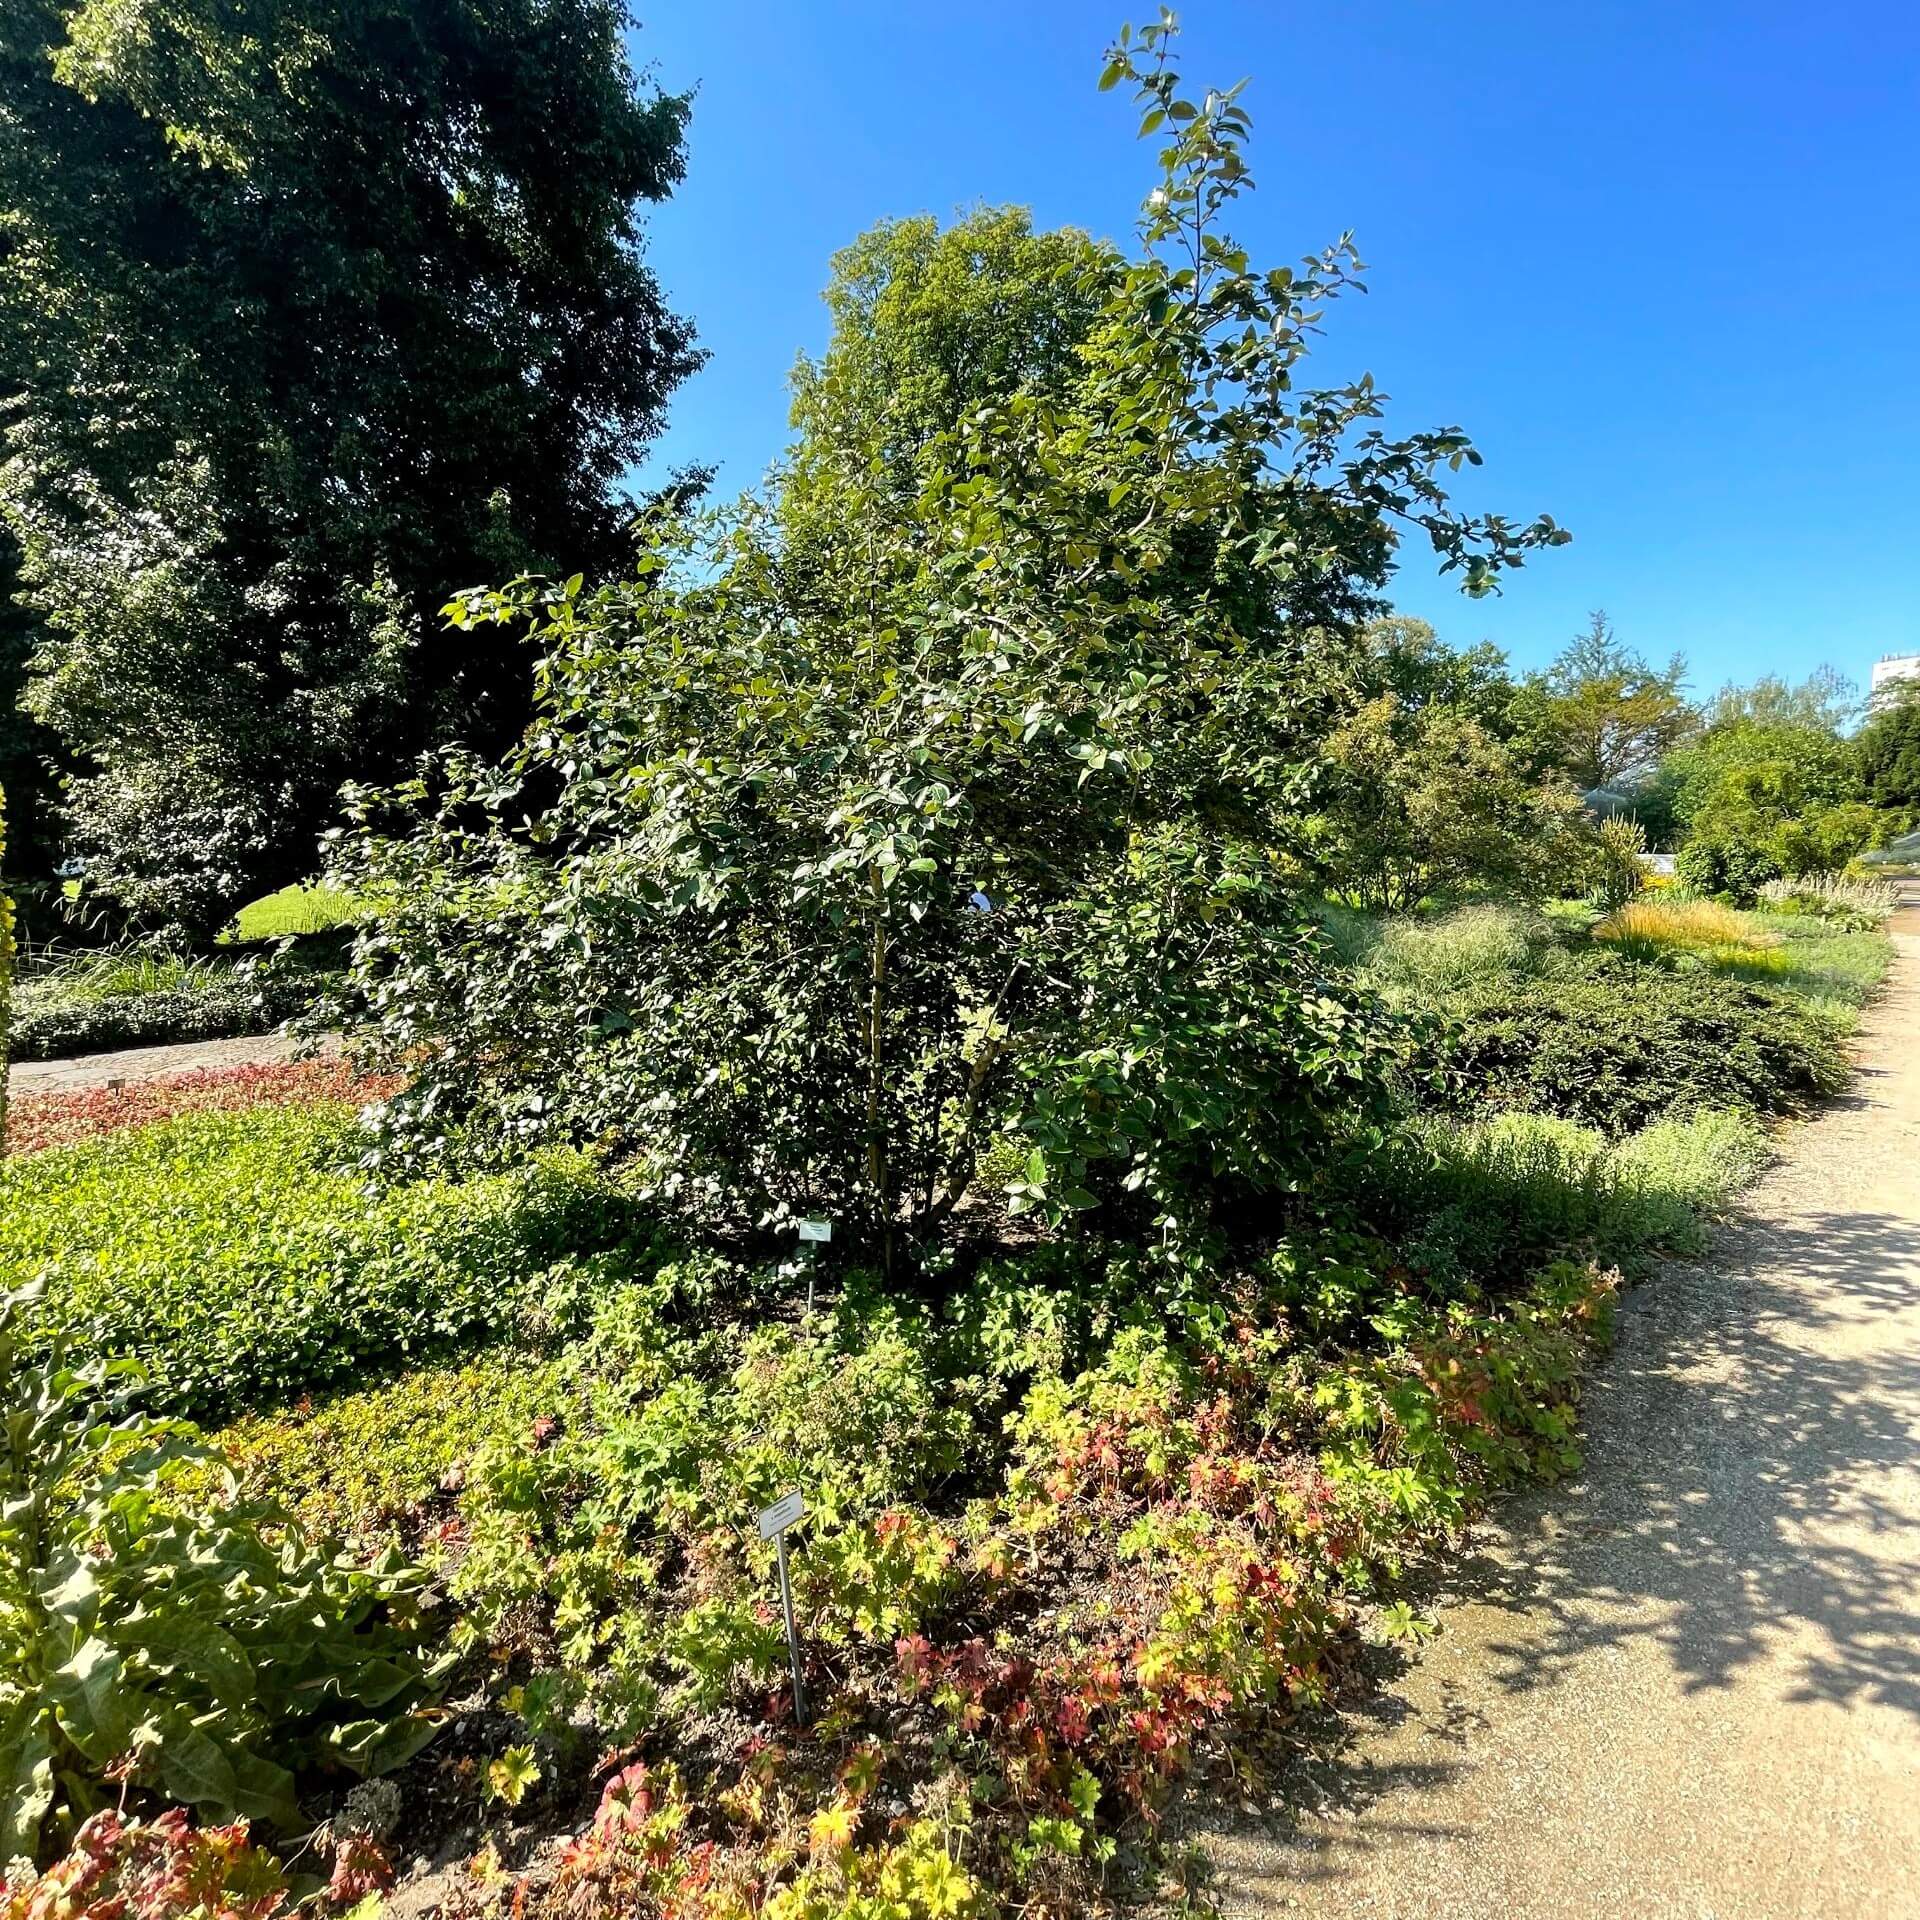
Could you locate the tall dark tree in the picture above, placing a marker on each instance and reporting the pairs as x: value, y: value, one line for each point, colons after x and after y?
x: 318, y: 310
x: 1889, y: 753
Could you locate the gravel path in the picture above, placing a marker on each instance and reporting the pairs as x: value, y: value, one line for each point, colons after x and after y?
x: 146, y: 1063
x: 1688, y: 1683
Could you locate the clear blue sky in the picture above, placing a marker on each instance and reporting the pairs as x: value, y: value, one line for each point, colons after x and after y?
x: 1661, y: 261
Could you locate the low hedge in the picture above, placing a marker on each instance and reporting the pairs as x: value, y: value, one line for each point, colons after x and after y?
x: 51, y: 1025
x: 1618, y: 1044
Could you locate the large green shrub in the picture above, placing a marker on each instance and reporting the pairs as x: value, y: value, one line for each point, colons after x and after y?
x: 1616, y: 1043
x: 190, y: 1654
x: 244, y: 1258
x: 810, y: 881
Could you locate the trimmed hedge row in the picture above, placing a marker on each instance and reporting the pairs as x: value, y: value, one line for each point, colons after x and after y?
x: 51, y: 1026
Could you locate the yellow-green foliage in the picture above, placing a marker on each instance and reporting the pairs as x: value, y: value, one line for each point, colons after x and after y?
x: 1454, y: 949
x: 363, y: 1460
x: 1685, y: 924
x: 244, y: 1258
x: 302, y: 908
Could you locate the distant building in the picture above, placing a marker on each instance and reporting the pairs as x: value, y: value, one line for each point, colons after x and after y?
x: 1887, y: 670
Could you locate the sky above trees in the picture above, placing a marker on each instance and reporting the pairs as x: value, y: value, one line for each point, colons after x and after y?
x: 1660, y: 263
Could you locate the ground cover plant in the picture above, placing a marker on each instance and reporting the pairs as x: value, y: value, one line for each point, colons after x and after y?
x: 243, y: 1258
x: 198, y: 1656
x: 37, y: 1120
x: 1662, y: 1008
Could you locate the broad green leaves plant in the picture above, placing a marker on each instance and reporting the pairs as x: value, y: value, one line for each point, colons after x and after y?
x: 809, y: 880
x: 192, y: 1654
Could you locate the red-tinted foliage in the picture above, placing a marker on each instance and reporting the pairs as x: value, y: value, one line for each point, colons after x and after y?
x: 36, y: 1121
x: 161, y: 1869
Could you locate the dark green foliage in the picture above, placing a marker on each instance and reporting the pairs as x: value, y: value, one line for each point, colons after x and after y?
x: 1617, y: 1044
x: 26, y: 747
x: 243, y: 1258
x: 1733, y: 868
x: 224, y: 1659
x: 1889, y: 750
x: 317, y: 309
x: 53, y: 1020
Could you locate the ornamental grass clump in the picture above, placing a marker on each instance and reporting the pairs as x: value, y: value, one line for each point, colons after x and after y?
x: 1647, y: 929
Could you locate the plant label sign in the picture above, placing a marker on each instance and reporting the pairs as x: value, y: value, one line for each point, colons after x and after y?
x: 820, y: 1231
x: 776, y: 1519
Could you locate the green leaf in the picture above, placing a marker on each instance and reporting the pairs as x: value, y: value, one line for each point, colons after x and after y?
x: 510, y: 1776
x: 193, y: 1769
x: 26, y: 1775
x: 93, y: 1702
x: 263, y: 1790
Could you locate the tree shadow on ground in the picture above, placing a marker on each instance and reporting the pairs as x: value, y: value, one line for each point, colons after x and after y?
x: 1751, y: 1492
x: 1753, y: 1481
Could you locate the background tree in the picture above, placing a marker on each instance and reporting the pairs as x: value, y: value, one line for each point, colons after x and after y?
x: 1770, y: 787
x: 929, y: 325
x: 1826, y: 702
x: 1426, y: 789
x: 1605, y: 714
x: 316, y: 307
x: 1889, y: 756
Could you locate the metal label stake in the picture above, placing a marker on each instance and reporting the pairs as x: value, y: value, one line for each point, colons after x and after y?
x: 814, y: 1234
x: 774, y: 1522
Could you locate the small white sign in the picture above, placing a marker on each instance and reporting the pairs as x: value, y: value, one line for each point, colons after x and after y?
x: 777, y: 1518
x: 821, y: 1230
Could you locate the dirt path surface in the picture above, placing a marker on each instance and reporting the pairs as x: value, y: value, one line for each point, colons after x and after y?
x: 1689, y: 1683
x: 146, y: 1063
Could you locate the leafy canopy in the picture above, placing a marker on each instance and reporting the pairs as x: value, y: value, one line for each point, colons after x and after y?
x: 1606, y: 715
x: 307, y: 308
x: 815, y: 874
x: 1424, y: 793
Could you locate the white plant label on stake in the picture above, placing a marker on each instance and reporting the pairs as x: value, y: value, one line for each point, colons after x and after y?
x: 774, y: 1522
x: 816, y: 1230
x: 776, y: 1519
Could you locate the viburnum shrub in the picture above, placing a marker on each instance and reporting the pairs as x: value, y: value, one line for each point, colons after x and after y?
x: 809, y: 880
x: 205, y: 1657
